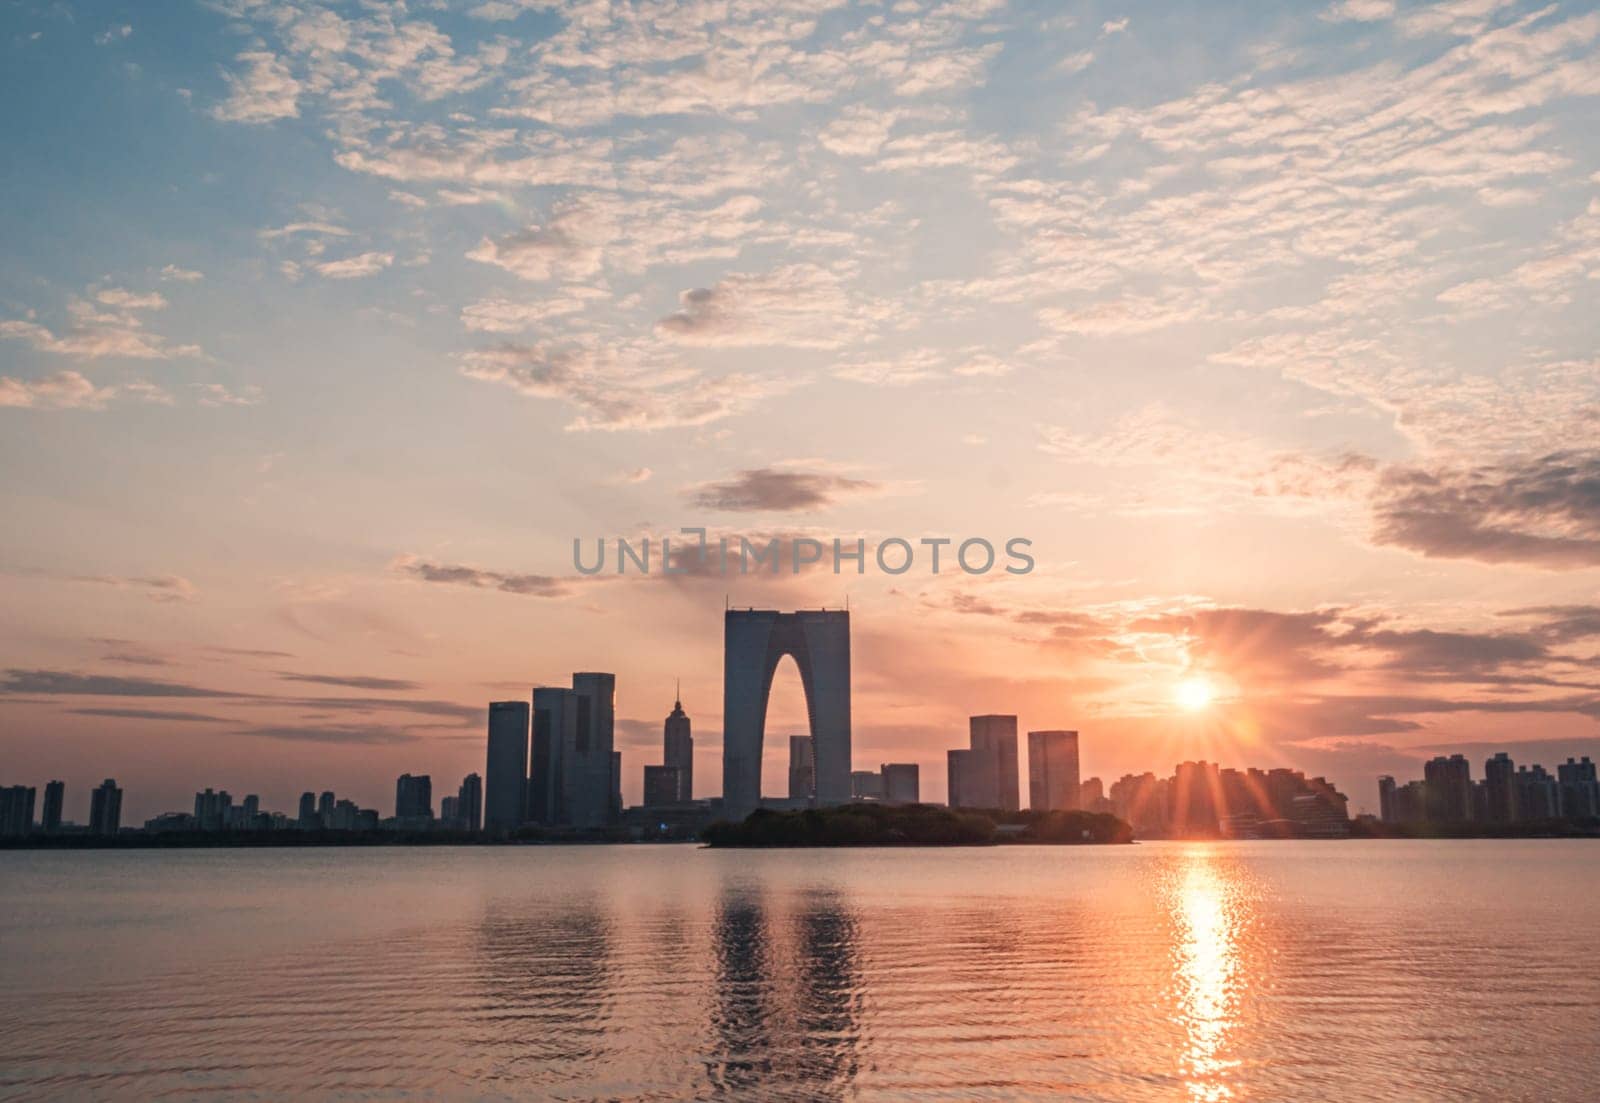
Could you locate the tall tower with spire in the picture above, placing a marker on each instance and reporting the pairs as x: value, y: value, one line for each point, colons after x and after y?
x: 678, y: 747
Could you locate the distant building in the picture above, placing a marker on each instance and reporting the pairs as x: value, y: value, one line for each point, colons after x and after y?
x: 1053, y: 771
x: 1449, y: 789
x: 901, y: 782
x: 677, y: 748
x: 997, y: 735
x: 555, y: 725
x: 802, y: 768
x: 972, y: 781
x: 1092, y: 795
x: 1195, y: 804
x: 308, y: 817
x: 589, y: 773
x: 469, y: 802
x: 663, y: 786
x: 211, y: 810
x: 413, y: 799
x: 1538, y: 795
x: 1580, y: 790
x: 1140, y: 800
x: 1500, y: 789
x: 105, y: 809
x: 326, y: 803
x: 55, y: 795
x: 866, y: 785
x: 506, y: 773
x: 16, y: 810
x: 1386, y: 791
x: 450, y: 812
x: 616, y: 786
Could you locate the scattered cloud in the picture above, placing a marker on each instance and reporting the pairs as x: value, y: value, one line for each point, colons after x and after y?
x: 478, y: 578
x: 770, y: 490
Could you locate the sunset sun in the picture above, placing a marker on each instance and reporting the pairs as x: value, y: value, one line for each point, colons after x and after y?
x: 1194, y: 694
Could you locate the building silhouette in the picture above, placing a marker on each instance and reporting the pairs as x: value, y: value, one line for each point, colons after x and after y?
x: 1448, y: 787
x: 1580, y: 791
x: 105, y: 809
x: 16, y: 810
x: 506, y: 771
x: 1141, y: 801
x: 663, y: 786
x: 55, y: 796
x: 413, y: 798
x: 1538, y: 795
x: 802, y: 769
x: 866, y: 785
x: 326, y: 803
x: 1500, y: 789
x: 589, y: 771
x: 469, y: 802
x: 308, y: 817
x: 901, y: 782
x: 985, y: 774
x: 555, y: 718
x: 1053, y: 771
x: 754, y: 641
x: 677, y: 748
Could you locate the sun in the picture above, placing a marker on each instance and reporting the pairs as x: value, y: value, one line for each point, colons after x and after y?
x: 1194, y: 694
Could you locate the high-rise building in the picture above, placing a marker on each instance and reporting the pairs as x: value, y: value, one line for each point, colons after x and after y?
x: 1140, y: 800
x: 662, y: 785
x: 754, y: 640
x: 413, y: 798
x: 998, y: 734
x: 1580, y: 789
x: 1092, y: 795
x: 450, y: 811
x: 16, y: 810
x: 55, y: 796
x: 677, y: 748
x: 1449, y: 789
x: 469, y: 802
x: 326, y: 803
x: 866, y: 785
x: 616, y: 786
x: 506, y: 772
x: 1538, y: 795
x: 211, y: 810
x: 1386, y: 795
x: 105, y: 809
x: 1195, y: 801
x: 973, y: 780
x: 555, y: 720
x: 901, y: 782
x: 1053, y: 771
x: 308, y: 817
x: 802, y: 768
x: 590, y: 775
x: 1500, y: 789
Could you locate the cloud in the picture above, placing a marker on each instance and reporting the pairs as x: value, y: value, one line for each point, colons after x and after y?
x: 350, y: 268
x: 569, y: 246
x: 456, y: 574
x: 769, y: 490
x: 123, y: 299
x: 263, y: 92
x: 150, y: 714
x: 800, y: 305
x: 107, y: 326
x: 350, y: 681
x: 65, y: 683
x: 631, y: 477
x: 515, y: 316
x: 1542, y: 511
x: 65, y: 390
x: 181, y: 275
x: 1359, y: 11
x: 156, y: 587
x: 359, y: 736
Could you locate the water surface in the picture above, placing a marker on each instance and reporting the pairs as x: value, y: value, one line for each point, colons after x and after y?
x: 1229, y: 971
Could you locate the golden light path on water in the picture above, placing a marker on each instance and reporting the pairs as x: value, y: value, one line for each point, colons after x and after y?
x: 1205, y: 909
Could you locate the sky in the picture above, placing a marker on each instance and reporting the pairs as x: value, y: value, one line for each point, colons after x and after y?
x: 326, y: 329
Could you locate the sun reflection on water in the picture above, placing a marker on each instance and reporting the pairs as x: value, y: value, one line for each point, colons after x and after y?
x: 1205, y: 912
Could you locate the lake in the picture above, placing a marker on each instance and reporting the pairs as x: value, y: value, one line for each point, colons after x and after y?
x: 1376, y: 969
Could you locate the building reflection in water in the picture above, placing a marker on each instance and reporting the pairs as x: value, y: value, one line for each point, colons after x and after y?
x: 1208, y: 912
x: 786, y: 1008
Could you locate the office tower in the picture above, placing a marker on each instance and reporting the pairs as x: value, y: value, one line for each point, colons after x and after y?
x: 211, y: 810
x: 901, y: 782
x: 677, y: 748
x: 1500, y: 789
x: 105, y: 809
x: 616, y: 786
x: 450, y: 811
x: 326, y: 803
x: 16, y: 810
x: 802, y: 768
x: 308, y: 817
x: 589, y: 773
x: 413, y: 797
x: 1449, y: 789
x: 555, y: 719
x: 1580, y: 790
x: 55, y: 795
x: 753, y: 643
x: 998, y: 734
x: 662, y: 785
x: 1195, y: 805
x: 973, y: 778
x: 1386, y: 800
x: 1053, y: 771
x: 1538, y: 795
x: 506, y: 772
x: 866, y: 785
x: 469, y: 802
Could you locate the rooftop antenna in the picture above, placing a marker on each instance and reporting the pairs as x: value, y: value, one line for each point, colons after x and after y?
x: 677, y: 694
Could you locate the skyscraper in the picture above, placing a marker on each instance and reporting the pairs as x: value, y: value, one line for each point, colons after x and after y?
x: 901, y: 782
x: 1052, y: 770
x: 413, y: 798
x: 1387, y: 811
x: 105, y: 809
x: 1500, y: 788
x: 802, y: 768
x: 211, y: 809
x: 55, y: 794
x: 589, y: 775
x: 308, y: 817
x: 326, y: 803
x: 506, y: 772
x: 16, y: 810
x: 973, y: 778
x: 677, y: 748
x: 469, y: 802
x: 998, y: 735
x: 1449, y: 789
x: 1580, y: 789
x: 555, y: 719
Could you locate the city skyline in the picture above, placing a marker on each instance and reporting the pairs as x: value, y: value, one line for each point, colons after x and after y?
x: 325, y: 330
